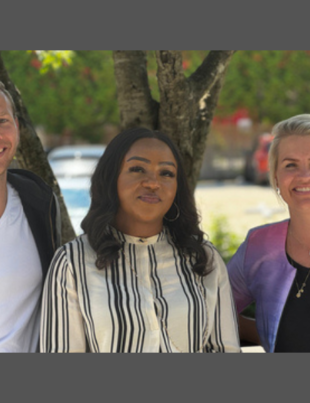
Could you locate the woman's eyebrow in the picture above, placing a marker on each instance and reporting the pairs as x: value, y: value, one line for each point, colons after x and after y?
x: 289, y: 159
x: 167, y: 163
x: 148, y: 161
x: 139, y: 159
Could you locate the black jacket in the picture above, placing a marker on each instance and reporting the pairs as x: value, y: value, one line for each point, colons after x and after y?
x: 42, y: 212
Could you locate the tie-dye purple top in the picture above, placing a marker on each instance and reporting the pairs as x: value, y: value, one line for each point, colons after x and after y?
x: 259, y: 271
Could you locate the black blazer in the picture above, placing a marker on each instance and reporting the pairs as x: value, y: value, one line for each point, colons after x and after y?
x: 42, y: 212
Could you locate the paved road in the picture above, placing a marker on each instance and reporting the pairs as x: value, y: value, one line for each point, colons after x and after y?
x: 253, y: 349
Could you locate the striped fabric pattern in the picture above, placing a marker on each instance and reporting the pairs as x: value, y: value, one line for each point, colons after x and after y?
x: 149, y: 300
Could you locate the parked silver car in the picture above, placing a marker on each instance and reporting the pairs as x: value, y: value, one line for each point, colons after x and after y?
x: 75, y: 191
x: 75, y: 160
x: 73, y: 167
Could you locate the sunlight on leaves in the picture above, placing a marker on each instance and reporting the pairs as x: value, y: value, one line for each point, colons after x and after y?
x: 52, y: 59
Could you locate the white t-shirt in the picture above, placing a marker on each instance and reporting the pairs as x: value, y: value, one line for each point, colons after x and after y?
x: 20, y: 280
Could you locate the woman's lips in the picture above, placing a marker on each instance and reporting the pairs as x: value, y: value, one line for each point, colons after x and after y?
x: 152, y: 199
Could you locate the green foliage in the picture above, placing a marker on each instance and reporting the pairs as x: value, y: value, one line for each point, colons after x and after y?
x: 75, y: 91
x: 272, y: 85
x: 225, y: 241
x: 227, y: 244
x: 78, y: 98
x: 53, y: 59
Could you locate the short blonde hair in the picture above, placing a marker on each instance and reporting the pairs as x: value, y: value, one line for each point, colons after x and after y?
x: 296, y: 125
x: 6, y: 93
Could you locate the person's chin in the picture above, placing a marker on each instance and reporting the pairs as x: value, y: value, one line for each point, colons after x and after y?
x: 300, y: 204
x: 150, y: 218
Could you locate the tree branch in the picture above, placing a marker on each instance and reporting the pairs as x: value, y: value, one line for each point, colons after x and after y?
x: 187, y: 105
x: 136, y: 105
x: 207, y: 99
x: 208, y: 73
x: 30, y: 153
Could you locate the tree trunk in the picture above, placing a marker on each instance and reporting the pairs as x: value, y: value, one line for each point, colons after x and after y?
x: 30, y: 154
x: 136, y: 106
x: 186, y: 105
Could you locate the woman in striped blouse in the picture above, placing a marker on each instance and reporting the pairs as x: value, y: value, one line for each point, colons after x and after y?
x: 141, y: 278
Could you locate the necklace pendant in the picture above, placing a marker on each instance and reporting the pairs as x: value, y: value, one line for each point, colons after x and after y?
x: 298, y: 295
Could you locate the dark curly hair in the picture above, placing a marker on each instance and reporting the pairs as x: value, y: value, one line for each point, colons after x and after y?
x: 185, y: 231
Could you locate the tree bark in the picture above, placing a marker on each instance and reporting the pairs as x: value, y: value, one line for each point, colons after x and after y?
x: 186, y: 105
x: 136, y: 105
x: 30, y: 154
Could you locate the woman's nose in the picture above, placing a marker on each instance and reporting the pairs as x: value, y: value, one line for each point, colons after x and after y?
x: 305, y: 172
x: 151, y: 182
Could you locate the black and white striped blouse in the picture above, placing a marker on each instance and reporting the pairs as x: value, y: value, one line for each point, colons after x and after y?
x: 148, y: 301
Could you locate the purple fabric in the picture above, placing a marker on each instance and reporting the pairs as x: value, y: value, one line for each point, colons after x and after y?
x: 259, y: 271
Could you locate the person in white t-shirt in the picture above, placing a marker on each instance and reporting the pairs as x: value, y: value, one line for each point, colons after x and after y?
x: 29, y: 236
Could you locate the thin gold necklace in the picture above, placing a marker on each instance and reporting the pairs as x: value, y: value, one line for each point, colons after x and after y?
x: 204, y: 338
x: 301, y: 289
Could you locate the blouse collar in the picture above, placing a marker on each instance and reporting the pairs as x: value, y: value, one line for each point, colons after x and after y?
x: 140, y: 241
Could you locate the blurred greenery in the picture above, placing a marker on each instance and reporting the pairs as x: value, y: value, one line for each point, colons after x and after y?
x: 273, y: 85
x: 79, y: 97
x: 227, y: 243
x: 52, y: 59
x: 75, y: 91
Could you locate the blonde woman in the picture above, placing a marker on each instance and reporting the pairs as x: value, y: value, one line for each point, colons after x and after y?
x: 272, y: 265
